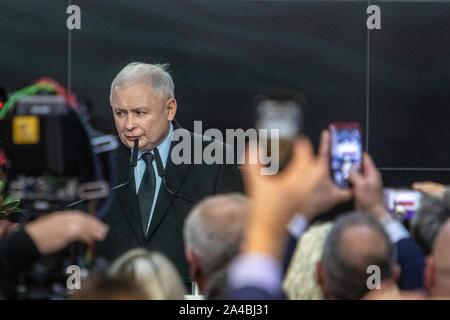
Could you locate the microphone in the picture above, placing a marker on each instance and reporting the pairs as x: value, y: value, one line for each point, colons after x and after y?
x: 134, y: 154
x: 162, y: 175
x: 133, y: 163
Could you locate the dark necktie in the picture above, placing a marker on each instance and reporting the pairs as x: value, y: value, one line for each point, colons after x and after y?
x: 146, y: 190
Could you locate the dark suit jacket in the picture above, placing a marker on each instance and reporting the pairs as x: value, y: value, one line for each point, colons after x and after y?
x: 191, y: 181
x: 411, y: 259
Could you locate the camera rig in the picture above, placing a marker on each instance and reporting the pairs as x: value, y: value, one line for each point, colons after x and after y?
x: 54, y: 159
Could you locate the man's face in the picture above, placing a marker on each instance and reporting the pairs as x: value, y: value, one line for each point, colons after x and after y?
x: 143, y: 114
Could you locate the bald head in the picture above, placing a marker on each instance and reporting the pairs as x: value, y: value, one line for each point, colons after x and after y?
x: 362, y: 243
x: 355, y: 242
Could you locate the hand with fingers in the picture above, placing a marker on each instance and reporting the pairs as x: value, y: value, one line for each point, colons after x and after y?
x: 277, y: 198
x: 368, y: 189
x: 57, y: 230
x: 327, y: 194
x: 433, y: 189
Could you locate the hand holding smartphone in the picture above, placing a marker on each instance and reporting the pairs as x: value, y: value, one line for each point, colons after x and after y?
x: 345, y: 152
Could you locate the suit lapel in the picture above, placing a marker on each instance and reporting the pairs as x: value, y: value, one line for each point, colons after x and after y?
x: 175, y: 176
x: 127, y: 194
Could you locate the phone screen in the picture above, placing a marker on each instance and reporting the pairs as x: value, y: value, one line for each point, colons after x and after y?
x: 402, y: 203
x: 346, y: 151
x: 282, y: 113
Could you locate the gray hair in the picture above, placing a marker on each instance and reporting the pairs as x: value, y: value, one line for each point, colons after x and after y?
x: 214, y: 229
x: 347, y: 275
x: 429, y: 219
x: 155, y: 75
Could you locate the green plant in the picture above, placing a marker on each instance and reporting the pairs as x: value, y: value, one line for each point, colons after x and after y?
x: 8, y: 205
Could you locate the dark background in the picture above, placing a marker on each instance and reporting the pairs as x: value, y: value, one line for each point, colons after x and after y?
x: 394, y: 81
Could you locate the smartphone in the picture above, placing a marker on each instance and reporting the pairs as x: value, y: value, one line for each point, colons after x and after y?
x: 281, y: 111
x: 402, y: 203
x: 346, y: 151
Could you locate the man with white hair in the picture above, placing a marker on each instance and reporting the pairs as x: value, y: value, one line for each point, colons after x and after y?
x: 149, y: 211
x: 213, y: 233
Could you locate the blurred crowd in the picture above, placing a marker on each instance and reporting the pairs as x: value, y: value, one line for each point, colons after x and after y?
x: 271, y: 244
